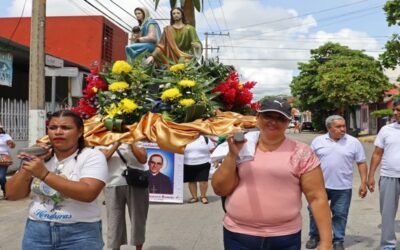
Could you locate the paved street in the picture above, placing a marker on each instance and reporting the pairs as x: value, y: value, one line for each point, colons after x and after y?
x: 197, y: 226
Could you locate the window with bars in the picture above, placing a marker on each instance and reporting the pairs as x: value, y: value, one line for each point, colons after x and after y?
x: 107, y: 43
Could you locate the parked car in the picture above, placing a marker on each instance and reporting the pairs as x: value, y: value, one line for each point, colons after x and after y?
x: 307, y: 126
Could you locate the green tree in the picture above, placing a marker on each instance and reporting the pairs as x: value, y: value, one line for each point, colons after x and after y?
x: 391, y: 57
x: 335, y: 80
x: 188, y: 7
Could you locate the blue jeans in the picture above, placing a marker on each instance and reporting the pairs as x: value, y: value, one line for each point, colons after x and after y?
x: 42, y: 235
x: 340, y: 205
x: 238, y: 241
x: 3, y: 174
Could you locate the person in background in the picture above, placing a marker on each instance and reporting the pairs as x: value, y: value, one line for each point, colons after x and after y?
x: 119, y: 195
x: 337, y: 151
x: 64, y: 211
x: 387, y: 153
x: 196, y: 169
x: 6, y: 142
x: 144, y: 37
x: 159, y: 183
x: 264, y: 195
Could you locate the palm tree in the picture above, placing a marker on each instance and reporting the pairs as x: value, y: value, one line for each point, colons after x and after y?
x: 188, y: 7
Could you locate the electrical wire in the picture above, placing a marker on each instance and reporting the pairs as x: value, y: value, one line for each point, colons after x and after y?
x: 16, y: 26
x: 102, y: 5
x: 295, y: 17
x: 122, y: 26
x: 338, y: 17
x: 87, y: 12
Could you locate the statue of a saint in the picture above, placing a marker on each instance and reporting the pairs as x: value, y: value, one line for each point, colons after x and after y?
x: 145, y: 36
x: 179, y: 40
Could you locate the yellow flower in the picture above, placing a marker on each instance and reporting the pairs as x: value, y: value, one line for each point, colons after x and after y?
x: 187, y: 83
x: 170, y: 94
x: 112, y: 111
x: 240, y: 85
x: 177, y: 67
x: 94, y: 89
x: 186, y: 102
x: 127, y: 105
x: 121, y: 66
x: 118, y: 86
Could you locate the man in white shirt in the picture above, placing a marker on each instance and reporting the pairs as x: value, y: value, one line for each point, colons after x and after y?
x: 337, y: 151
x: 387, y: 152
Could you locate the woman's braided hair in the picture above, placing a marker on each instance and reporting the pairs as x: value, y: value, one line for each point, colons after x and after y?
x: 78, y: 122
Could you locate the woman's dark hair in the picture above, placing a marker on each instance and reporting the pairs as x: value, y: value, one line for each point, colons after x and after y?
x: 182, y: 12
x: 2, y: 131
x: 143, y: 13
x: 78, y: 122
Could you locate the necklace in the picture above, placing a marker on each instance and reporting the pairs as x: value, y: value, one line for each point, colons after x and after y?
x: 61, y: 164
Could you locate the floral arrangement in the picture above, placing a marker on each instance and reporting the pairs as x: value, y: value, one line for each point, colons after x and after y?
x: 234, y: 95
x: 185, y: 92
x: 182, y: 92
x: 88, y: 104
x: 125, y: 99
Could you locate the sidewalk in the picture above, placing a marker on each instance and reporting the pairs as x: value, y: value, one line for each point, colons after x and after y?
x: 367, y: 138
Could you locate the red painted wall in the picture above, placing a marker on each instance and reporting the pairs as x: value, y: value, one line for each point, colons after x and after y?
x: 77, y: 39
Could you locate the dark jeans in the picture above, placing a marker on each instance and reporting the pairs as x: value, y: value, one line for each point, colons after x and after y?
x: 340, y: 205
x: 3, y: 174
x: 238, y: 241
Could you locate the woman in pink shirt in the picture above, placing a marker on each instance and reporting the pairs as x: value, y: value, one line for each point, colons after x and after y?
x: 264, y: 195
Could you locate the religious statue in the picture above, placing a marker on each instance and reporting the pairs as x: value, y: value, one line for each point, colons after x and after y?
x: 145, y: 36
x: 179, y: 40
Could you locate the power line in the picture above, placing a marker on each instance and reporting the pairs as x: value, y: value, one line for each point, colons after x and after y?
x: 123, y: 9
x: 16, y: 26
x: 262, y: 59
x: 306, y: 14
x: 213, y: 14
x: 274, y: 48
x: 324, y: 19
x: 112, y: 13
x: 122, y: 26
x: 94, y: 19
x: 226, y: 25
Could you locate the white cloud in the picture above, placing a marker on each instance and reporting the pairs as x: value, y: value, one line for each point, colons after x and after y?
x: 281, y: 39
x: 270, y: 81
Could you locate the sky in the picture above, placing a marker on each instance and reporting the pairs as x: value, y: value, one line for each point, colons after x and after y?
x: 263, y: 39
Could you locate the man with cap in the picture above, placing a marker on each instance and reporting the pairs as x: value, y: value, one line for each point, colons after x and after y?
x: 337, y: 151
x: 256, y: 190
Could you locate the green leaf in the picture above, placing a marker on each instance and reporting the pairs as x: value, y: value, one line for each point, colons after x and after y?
x: 156, y: 3
x: 197, y: 5
x: 109, y: 124
x: 194, y: 112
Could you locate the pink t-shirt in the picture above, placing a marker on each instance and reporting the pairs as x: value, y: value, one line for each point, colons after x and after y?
x: 267, y: 201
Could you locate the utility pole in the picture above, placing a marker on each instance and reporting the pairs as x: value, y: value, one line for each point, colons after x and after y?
x: 37, y: 113
x: 211, y: 48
